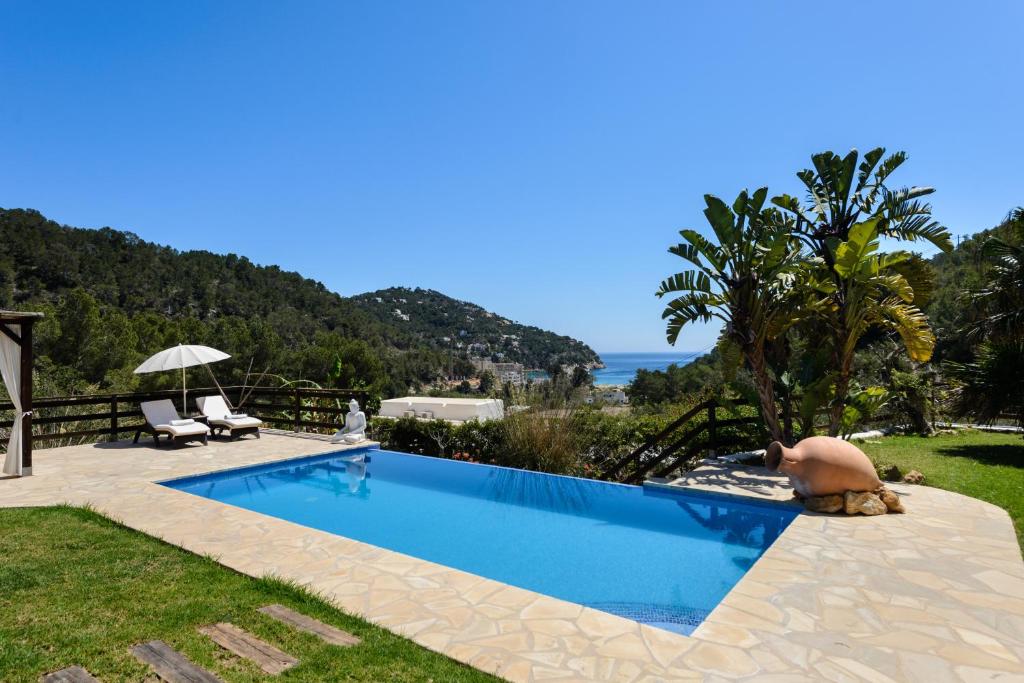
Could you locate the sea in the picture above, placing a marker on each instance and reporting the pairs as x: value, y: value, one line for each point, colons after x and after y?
x: 620, y: 368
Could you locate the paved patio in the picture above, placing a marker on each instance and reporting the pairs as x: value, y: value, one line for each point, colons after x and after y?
x: 935, y: 595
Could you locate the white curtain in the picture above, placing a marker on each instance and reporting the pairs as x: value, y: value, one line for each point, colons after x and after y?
x: 10, y: 369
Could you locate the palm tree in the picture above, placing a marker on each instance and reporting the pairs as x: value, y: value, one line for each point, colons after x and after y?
x: 874, y: 294
x: 849, y: 208
x: 999, y: 305
x: 744, y: 280
x: 993, y: 383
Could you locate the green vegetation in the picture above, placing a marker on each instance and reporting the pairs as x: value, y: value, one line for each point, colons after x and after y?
x: 982, y: 465
x: 76, y: 588
x: 744, y: 282
x: 850, y: 290
x: 562, y: 438
x: 434, y: 316
x: 674, y: 383
x: 822, y: 323
x: 991, y: 383
x: 113, y: 299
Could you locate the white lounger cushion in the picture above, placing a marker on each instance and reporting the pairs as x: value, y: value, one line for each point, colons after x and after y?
x: 238, y: 423
x: 218, y: 413
x: 161, y: 415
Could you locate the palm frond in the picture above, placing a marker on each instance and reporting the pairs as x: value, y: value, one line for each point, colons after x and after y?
x: 910, y: 323
x: 992, y: 384
x: 687, y: 281
x: 867, y: 166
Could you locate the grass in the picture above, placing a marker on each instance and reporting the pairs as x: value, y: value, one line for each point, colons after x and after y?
x: 982, y: 465
x: 77, y: 588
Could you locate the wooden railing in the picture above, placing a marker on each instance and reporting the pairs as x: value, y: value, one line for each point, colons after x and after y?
x: 107, y: 416
x: 698, y: 429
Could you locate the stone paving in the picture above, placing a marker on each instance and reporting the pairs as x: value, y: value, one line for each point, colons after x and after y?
x: 935, y: 595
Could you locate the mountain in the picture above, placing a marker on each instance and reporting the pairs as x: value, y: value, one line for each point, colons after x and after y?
x: 442, y: 322
x: 114, y: 298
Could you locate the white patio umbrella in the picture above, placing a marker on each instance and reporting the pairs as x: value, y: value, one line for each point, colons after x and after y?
x: 180, y: 357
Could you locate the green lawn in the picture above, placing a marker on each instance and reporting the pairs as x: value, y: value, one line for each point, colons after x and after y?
x: 76, y: 588
x: 978, y: 464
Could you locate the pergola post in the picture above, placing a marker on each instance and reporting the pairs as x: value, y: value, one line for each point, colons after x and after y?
x: 26, y: 397
x: 23, y: 339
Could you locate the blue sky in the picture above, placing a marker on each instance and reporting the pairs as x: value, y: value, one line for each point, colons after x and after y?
x: 536, y: 158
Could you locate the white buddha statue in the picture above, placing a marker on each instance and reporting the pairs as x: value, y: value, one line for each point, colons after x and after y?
x: 354, y: 430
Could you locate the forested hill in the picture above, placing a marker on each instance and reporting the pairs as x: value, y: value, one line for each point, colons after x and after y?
x: 434, y: 317
x: 964, y: 268
x: 114, y: 298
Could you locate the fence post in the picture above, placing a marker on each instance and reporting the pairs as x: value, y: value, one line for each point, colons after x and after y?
x: 113, y: 417
x: 712, y: 429
x: 298, y: 409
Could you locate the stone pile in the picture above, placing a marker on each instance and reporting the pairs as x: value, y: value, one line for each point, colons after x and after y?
x: 877, y: 502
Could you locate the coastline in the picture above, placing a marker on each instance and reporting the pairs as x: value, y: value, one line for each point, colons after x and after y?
x: 620, y: 367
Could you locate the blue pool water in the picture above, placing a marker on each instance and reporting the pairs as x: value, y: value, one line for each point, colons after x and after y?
x: 662, y: 558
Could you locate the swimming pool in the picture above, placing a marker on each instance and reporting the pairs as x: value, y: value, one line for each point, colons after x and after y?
x: 661, y: 558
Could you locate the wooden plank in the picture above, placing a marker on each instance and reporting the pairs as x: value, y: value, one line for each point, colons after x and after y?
x: 170, y: 665
x: 326, y: 632
x: 72, y: 674
x: 246, y: 645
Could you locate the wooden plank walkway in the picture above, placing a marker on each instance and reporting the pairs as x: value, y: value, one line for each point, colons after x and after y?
x: 326, y: 632
x: 72, y: 674
x: 246, y: 645
x: 171, y: 665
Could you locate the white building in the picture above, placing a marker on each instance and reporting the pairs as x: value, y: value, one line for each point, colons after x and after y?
x: 455, y: 410
x: 505, y: 373
x: 615, y: 397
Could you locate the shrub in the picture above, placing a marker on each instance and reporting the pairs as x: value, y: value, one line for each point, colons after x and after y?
x: 575, y: 440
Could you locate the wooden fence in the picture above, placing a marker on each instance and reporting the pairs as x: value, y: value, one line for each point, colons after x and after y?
x: 698, y: 430
x: 78, y: 419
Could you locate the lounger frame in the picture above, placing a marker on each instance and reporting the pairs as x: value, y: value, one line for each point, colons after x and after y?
x: 175, y: 441
x: 217, y: 429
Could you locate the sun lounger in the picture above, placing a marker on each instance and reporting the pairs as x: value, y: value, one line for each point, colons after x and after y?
x: 162, y: 418
x: 222, y: 419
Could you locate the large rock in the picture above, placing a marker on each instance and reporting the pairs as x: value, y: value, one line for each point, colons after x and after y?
x: 913, y: 477
x: 833, y: 503
x: 863, y: 502
x: 891, y: 500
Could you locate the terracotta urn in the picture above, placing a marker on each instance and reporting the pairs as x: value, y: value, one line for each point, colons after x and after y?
x: 823, y: 465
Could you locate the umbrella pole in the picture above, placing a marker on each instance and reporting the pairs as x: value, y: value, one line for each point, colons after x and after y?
x: 184, y: 406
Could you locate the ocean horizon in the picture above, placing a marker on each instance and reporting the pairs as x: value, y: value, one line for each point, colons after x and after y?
x: 621, y: 367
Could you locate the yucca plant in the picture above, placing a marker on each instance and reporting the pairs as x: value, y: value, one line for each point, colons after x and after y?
x: 849, y: 208
x: 745, y: 281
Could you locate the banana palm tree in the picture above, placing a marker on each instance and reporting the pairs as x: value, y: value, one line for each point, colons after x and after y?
x: 744, y: 281
x: 874, y: 293
x: 849, y: 208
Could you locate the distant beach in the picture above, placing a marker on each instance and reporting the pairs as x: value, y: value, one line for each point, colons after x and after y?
x: 620, y: 368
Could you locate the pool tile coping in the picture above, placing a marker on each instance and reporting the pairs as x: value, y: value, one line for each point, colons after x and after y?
x: 927, y: 595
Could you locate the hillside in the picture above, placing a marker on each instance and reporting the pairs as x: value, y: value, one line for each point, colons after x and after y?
x: 441, y: 321
x: 964, y: 268
x: 114, y: 298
